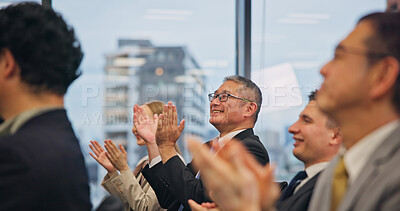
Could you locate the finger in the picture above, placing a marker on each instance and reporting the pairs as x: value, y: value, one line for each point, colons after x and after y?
x: 196, y: 207
x: 135, y: 119
x: 214, y: 170
x: 155, y: 118
x: 170, y: 115
x: 94, y: 157
x: 174, y: 116
x: 165, y: 115
x: 181, y: 126
x: 93, y: 149
x: 96, y: 146
x: 122, y: 149
x: 113, y: 146
x: 110, y: 150
x: 160, y: 122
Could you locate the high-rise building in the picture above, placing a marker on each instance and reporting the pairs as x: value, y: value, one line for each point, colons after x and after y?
x: 139, y: 72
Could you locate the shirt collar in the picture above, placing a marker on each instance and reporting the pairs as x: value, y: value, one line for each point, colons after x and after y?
x: 11, y: 126
x: 224, y: 139
x: 357, y: 156
x: 315, y: 169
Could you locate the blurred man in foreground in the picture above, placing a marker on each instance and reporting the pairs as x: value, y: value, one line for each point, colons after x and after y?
x: 42, y: 167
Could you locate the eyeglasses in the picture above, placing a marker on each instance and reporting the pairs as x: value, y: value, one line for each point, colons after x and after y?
x: 223, y: 97
x: 370, y: 54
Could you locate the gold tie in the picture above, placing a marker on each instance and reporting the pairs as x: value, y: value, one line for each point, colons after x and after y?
x: 339, y: 184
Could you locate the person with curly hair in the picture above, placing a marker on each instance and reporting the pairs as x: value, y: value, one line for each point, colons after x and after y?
x: 42, y: 167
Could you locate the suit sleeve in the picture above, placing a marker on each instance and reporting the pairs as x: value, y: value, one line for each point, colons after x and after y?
x: 182, y: 182
x: 153, y: 177
x: 133, y: 193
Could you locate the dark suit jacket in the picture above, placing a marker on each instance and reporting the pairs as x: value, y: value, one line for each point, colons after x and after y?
x: 301, y: 199
x: 42, y: 167
x: 175, y: 183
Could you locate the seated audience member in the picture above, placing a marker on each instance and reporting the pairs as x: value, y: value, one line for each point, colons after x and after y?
x: 361, y: 91
x: 130, y: 186
x: 41, y: 164
x: 234, y: 109
x: 317, y: 140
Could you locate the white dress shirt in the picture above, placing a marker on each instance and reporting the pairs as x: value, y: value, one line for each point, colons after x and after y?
x: 311, y: 172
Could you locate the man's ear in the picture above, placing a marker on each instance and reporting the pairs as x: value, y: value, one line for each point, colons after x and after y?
x: 8, y: 65
x: 336, y: 136
x: 384, y: 77
x: 251, y: 108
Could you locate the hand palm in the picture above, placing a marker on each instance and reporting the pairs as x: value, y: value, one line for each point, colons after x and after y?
x: 147, y: 129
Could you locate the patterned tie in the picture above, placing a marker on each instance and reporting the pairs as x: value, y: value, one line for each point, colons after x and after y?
x: 339, y: 184
x: 293, y: 184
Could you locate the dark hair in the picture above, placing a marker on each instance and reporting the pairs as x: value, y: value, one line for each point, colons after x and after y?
x: 249, y: 90
x: 43, y: 45
x: 385, y: 40
x: 330, y: 123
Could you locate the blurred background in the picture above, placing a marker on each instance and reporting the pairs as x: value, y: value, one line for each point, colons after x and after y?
x: 180, y: 50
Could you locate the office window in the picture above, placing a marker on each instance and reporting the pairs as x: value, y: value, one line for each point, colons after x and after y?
x: 138, y: 51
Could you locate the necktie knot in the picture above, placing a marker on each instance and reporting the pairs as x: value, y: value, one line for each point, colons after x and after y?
x: 301, y: 175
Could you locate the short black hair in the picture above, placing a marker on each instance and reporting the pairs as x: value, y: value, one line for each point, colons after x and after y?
x: 43, y: 45
x: 330, y: 123
x: 385, y: 41
x: 249, y: 90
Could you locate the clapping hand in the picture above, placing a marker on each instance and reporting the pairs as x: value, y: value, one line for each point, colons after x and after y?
x: 118, y: 157
x: 100, y: 156
x: 168, y: 130
x: 145, y: 126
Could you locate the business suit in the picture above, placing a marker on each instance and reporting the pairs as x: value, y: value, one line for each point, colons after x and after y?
x: 377, y: 186
x: 42, y: 167
x: 300, y: 199
x: 175, y: 183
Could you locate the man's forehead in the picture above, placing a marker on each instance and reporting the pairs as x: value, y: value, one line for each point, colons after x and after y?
x: 357, y: 37
x: 228, y: 87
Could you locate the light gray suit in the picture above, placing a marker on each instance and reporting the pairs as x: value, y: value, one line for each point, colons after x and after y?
x: 376, y: 188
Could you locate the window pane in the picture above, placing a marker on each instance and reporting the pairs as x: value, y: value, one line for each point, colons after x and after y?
x: 137, y: 51
x: 291, y: 40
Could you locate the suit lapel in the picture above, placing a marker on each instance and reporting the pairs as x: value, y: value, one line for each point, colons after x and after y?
x: 369, y: 172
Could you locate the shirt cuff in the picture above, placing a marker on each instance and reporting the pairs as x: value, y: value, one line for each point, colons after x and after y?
x: 154, y: 161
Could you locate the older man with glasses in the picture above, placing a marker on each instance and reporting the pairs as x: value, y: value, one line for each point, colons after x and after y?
x: 234, y: 109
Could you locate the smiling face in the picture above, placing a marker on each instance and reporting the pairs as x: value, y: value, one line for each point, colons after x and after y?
x: 312, y: 137
x: 346, y: 83
x: 139, y: 140
x: 228, y: 116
